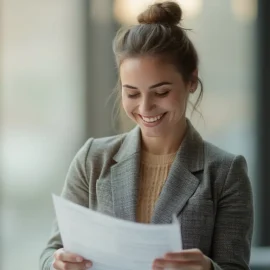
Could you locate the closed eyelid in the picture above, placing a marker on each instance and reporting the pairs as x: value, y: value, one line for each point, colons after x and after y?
x: 132, y: 93
x: 163, y: 92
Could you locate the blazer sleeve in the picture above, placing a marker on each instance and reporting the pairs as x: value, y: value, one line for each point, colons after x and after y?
x: 76, y: 189
x: 234, y: 220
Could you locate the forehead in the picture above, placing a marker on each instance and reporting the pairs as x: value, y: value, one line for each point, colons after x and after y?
x: 147, y: 67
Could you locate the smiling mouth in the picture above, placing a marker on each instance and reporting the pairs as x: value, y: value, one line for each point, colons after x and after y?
x: 152, y: 119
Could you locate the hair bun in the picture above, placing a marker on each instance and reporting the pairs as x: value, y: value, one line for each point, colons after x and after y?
x: 161, y: 13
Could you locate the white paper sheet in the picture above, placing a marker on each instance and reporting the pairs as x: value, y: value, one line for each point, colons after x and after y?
x: 111, y: 243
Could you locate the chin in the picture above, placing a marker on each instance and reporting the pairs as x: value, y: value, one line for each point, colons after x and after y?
x: 152, y: 132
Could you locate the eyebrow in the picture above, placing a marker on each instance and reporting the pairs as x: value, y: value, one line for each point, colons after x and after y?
x: 151, y: 87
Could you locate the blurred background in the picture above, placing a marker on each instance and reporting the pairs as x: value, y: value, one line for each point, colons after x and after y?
x: 57, y: 73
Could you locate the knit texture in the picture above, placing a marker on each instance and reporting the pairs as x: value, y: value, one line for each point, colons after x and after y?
x: 153, y: 174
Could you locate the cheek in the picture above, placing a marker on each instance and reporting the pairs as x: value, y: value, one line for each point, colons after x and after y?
x: 128, y: 106
x: 177, y: 102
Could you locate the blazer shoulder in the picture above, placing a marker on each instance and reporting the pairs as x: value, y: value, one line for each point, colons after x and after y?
x: 229, y: 172
x: 219, y: 158
x: 104, y: 147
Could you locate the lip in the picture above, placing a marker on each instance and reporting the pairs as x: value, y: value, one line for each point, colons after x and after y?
x: 151, y: 116
x: 154, y: 123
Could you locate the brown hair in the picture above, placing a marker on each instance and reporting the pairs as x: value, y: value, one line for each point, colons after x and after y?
x: 159, y: 34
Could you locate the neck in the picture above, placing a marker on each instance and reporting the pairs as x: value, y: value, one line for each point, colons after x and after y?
x: 166, y: 144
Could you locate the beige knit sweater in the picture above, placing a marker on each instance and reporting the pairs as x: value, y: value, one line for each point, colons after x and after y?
x: 154, y: 172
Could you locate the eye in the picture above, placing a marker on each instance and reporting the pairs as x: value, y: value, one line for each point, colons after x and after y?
x: 162, y: 94
x: 133, y: 95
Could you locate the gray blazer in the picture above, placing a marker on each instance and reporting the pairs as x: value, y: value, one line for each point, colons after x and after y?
x: 207, y: 188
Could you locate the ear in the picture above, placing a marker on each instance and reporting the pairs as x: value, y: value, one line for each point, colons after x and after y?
x: 194, y: 81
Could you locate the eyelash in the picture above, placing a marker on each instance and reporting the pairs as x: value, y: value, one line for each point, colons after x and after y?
x: 132, y: 96
x: 163, y: 94
x: 157, y: 94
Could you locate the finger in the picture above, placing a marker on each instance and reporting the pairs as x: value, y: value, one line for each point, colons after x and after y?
x: 64, y: 256
x: 185, y: 255
x: 157, y: 268
x: 174, y: 264
x: 60, y: 265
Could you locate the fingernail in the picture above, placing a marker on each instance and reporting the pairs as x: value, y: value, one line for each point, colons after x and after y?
x: 88, y: 265
x: 79, y: 259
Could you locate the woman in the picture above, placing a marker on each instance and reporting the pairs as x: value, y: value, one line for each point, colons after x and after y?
x: 162, y: 166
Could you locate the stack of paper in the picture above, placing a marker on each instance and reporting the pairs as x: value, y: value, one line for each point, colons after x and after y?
x: 111, y: 243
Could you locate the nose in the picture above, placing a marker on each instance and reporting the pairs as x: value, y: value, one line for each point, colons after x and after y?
x: 146, y: 105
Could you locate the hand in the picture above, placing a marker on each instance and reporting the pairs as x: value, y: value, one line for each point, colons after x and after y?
x: 190, y: 259
x: 64, y: 260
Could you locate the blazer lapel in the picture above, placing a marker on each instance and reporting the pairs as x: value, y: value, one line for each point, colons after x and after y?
x: 181, y: 182
x: 125, y: 175
x: 179, y: 187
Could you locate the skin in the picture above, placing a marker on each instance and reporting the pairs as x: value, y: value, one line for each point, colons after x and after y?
x: 151, y: 87
x: 64, y: 260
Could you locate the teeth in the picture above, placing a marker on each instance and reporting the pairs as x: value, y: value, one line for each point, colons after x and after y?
x: 152, y: 119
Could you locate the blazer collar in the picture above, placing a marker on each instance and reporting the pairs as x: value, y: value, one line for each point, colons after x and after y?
x: 179, y: 187
x: 190, y: 153
x: 131, y: 145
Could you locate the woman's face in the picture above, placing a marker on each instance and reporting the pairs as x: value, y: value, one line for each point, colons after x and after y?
x: 154, y: 95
